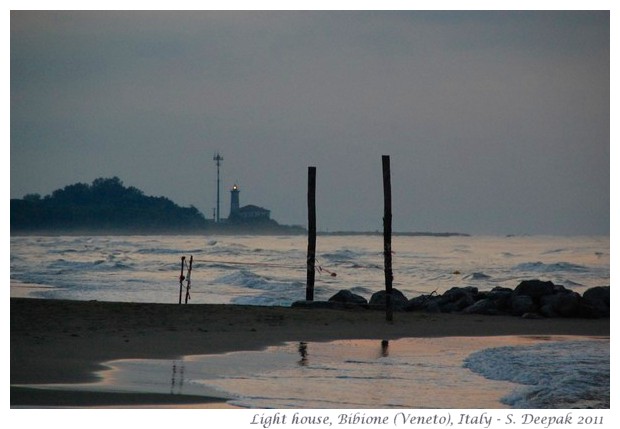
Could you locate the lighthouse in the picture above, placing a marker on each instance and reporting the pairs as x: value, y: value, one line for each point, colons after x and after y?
x: 245, y: 214
x: 234, y: 201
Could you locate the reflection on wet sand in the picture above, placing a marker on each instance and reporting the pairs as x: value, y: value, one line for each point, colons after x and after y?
x: 176, y: 386
x: 384, y: 348
x: 303, y: 352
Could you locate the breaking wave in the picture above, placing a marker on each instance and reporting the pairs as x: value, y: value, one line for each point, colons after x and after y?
x: 540, y: 267
x: 559, y: 374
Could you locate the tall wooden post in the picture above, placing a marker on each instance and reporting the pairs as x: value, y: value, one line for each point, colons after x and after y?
x: 311, y: 233
x: 387, y: 236
x: 189, y: 278
x: 181, y: 279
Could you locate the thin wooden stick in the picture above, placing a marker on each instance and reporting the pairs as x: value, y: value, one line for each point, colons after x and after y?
x: 181, y: 278
x: 188, y: 278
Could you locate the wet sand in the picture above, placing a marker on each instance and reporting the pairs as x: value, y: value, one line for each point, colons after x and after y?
x: 58, y: 341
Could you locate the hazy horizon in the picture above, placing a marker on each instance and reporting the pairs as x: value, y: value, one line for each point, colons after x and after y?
x: 496, y: 122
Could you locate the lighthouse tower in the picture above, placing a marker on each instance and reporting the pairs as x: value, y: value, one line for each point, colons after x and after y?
x: 234, y: 201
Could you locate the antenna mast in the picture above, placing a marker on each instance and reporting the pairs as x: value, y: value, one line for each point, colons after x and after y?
x: 218, y: 160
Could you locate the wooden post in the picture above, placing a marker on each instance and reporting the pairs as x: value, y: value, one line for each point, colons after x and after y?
x: 181, y: 278
x: 311, y: 233
x: 189, y: 281
x: 387, y: 237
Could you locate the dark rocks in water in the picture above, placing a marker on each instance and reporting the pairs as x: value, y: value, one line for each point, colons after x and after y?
x: 457, y: 299
x: 535, y: 289
x: 399, y: 301
x: 346, y: 296
x: 428, y: 303
x: 483, y: 306
x: 501, y: 297
x: 454, y: 300
x: 564, y: 303
x: 595, y: 302
x: 458, y: 293
x: 418, y: 303
x: 598, y: 295
x: 530, y: 299
x: 521, y: 304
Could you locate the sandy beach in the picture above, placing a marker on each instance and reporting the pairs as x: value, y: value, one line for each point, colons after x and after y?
x: 56, y: 341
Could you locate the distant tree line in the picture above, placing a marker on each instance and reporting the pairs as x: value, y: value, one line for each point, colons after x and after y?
x: 104, y: 205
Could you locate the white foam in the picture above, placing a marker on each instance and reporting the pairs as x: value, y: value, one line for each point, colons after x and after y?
x: 557, y: 374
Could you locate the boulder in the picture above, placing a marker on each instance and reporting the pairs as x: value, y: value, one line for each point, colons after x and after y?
x: 482, y: 306
x: 418, y: 303
x: 348, y: 297
x: 501, y: 296
x: 399, y: 301
x: 453, y: 300
x: 595, y: 302
x: 433, y: 305
x: 535, y: 289
x: 458, y: 305
x: 456, y: 294
x: 521, y: 304
x: 598, y: 296
x: 563, y: 304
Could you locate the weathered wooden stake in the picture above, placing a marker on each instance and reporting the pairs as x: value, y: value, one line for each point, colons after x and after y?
x: 387, y: 237
x: 311, y: 233
x: 188, y: 278
x: 181, y: 278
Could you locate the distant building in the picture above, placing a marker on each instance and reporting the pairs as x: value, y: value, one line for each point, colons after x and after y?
x: 249, y: 213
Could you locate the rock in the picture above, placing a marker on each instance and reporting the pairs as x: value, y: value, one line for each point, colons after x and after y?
x: 521, y: 304
x: 482, y: 306
x: 453, y: 300
x: 502, y: 297
x: 598, y: 295
x: 399, y: 301
x: 458, y: 305
x: 535, y: 289
x: 433, y: 306
x: 560, y: 289
x: 563, y: 304
x: 456, y: 293
x: 595, y: 302
x: 348, y: 297
x: 418, y: 303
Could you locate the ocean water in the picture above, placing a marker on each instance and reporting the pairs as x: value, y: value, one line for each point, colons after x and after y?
x: 487, y: 372
x: 415, y: 373
x: 553, y: 374
x: 271, y: 270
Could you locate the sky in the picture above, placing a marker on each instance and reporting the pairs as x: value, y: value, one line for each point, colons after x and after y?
x: 496, y: 122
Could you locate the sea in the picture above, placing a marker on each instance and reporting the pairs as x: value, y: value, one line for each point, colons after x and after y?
x: 271, y: 270
x: 496, y: 372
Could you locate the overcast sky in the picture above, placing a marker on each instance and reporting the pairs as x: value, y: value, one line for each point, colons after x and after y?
x: 496, y: 122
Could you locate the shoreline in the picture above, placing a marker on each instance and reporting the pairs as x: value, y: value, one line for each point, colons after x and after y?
x: 62, y: 341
